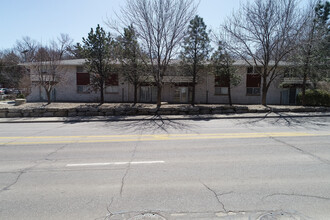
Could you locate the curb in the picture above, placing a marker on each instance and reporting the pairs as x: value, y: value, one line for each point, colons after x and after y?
x: 159, y: 117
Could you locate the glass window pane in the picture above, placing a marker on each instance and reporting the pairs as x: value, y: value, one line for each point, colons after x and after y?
x: 224, y: 90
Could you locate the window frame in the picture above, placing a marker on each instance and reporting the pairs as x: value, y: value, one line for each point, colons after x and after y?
x: 218, y: 90
x: 253, y: 70
x: 252, y: 90
x: 82, y: 88
x: 221, y: 82
x: 115, y: 88
x: 253, y: 93
x: 113, y: 84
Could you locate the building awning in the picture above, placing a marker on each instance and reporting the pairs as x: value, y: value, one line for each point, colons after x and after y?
x: 288, y: 82
x: 177, y: 79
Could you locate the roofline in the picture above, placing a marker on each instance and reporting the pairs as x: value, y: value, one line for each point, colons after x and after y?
x: 81, y: 62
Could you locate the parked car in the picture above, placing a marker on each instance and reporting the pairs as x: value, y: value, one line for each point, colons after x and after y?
x: 9, y: 91
x: 3, y: 91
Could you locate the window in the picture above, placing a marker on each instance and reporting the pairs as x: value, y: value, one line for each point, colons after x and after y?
x: 112, y: 89
x: 250, y: 69
x: 221, y: 85
x: 253, y: 82
x: 254, y: 70
x: 221, y: 90
x: 111, y: 85
x: 82, y: 89
x: 253, y: 91
x: 83, y: 81
x: 290, y: 72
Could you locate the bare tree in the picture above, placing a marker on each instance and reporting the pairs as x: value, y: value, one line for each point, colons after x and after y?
x: 263, y: 34
x: 26, y: 49
x: 160, y: 27
x: 10, y: 72
x: 47, y: 68
x: 25, y: 84
x: 64, y: 45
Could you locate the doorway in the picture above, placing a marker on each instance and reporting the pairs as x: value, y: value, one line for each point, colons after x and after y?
x: 148, y: 93
x: 292, y: 96
x: 181, y: 94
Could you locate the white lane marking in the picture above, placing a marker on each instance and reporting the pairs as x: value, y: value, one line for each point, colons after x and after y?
x: 114, y: 163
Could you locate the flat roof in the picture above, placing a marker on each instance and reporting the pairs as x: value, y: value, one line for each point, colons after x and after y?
x: 81, y: 62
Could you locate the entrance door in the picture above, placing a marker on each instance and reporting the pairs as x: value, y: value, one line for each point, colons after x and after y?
x: 292, y: 96
x: 181, y: 94
x: 145, y: 94
x: 148, y: 93
x: 285, y: 97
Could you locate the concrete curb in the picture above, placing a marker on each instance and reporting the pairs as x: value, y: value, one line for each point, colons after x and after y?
x: 160, y: 117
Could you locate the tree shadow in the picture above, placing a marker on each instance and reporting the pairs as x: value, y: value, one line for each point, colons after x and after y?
x: 152, y: 125
x: 289, y: 120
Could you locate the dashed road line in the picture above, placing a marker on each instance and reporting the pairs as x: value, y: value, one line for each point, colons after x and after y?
x: 114, y: 163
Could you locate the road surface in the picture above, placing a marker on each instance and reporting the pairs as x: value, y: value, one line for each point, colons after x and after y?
x: 183, y: 169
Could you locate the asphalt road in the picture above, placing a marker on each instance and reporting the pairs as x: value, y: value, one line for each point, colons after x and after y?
x: 207, y: 169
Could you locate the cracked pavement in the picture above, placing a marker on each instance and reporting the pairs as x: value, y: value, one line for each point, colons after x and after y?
x: 217, y: 196
x: 175, y: 174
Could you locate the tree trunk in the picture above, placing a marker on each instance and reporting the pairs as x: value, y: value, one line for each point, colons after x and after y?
x: 306, y: 73
x: 229, y: 95
x: 194, y: 84
x: 102, y: 95
x: 193, y: 93
x: 264, y: 92
x: 303, y: 97
x: 48, y: 96
x: 159, y: 95
x: 135, y: 93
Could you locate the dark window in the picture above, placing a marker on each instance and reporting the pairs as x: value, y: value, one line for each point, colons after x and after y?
x: 112, y: 80
x: 221, y: 81
x: 112, y: 84
x: 250, y: 69
x: 253, y: 80
x: 254, y: 70
x: 83, y: 79
x: 221, y: 84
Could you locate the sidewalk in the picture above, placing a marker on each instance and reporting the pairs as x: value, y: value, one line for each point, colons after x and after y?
x: 162, y: 117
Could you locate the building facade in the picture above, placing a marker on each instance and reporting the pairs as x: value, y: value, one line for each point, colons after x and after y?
x: 210, y: 89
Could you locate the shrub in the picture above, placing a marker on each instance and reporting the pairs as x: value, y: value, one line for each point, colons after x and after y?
x: 315, y: 97
x: 20, y: 96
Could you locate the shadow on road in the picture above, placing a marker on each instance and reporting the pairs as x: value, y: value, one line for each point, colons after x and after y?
x: 154, y: 124
x: 284, y: 119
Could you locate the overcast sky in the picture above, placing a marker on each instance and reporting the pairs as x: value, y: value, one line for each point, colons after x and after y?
x: 44, y: 20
